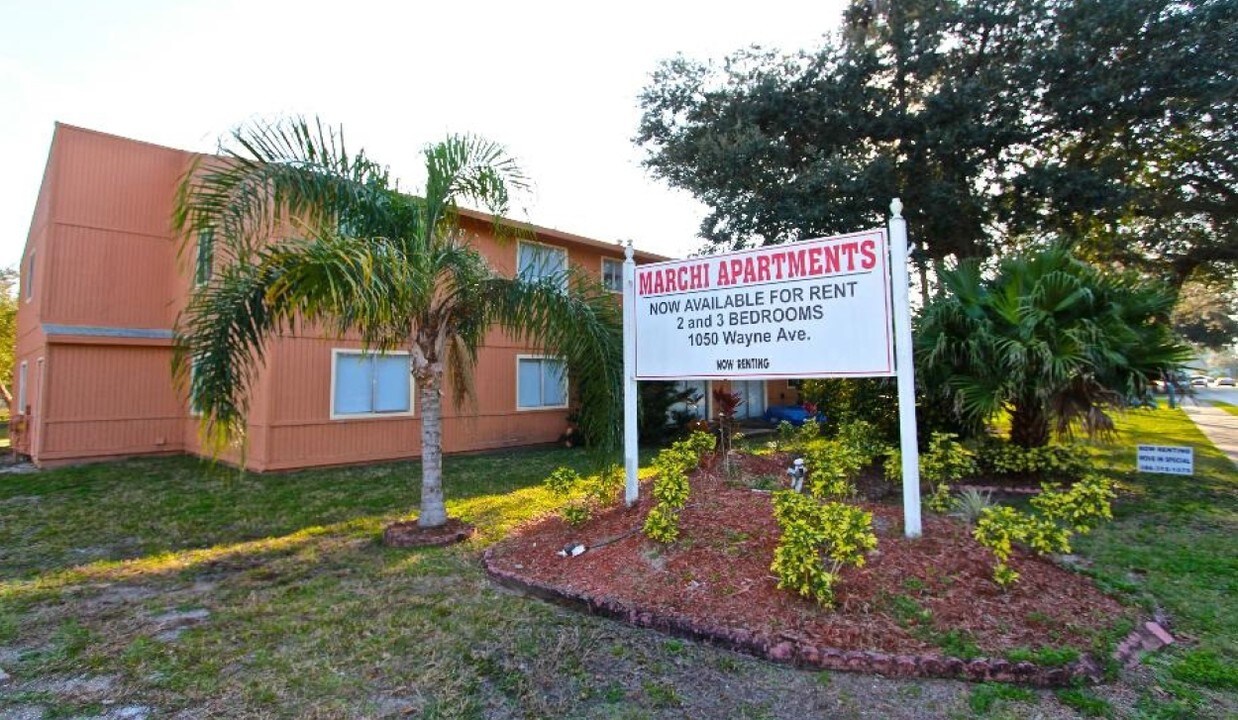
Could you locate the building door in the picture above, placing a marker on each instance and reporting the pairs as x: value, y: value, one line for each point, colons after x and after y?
x: 753, y: 394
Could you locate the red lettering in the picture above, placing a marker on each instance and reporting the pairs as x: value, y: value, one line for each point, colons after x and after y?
x: 763, y: 268
x: 700, y: 278
x: 799, y: 266
x: 750, y: 271
x: 737, y: 269
x: 780, y: 261
x: 646, y: 283
x: 723, y: 278
x: 849, y: 250
x: 814, y: 261
x: 831, y: 259
x: 682, y: 277
x: 868, y: 249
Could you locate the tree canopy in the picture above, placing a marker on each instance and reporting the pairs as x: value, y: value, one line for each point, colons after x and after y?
x: 1107, y: 125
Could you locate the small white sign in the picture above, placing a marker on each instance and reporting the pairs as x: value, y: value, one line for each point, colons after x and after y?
x: 814, y: 308
x: 1167, y: 459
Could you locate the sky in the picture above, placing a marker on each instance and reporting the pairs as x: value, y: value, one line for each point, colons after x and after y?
x: 555, y: 82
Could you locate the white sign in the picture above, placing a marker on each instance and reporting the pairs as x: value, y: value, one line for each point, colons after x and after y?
x: 814, y: 308
x: 1167, y: 459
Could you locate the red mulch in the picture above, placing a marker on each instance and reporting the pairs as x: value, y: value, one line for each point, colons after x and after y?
x: 719, y: 571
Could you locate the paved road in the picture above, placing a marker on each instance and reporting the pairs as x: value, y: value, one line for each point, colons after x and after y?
x: 1220, y: 427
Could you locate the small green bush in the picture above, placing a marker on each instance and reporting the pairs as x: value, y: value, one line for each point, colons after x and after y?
x: 940, y: 501
x: 945, y: 461
x: 1065, y: 463
x: 817, y: 540
x: 834, y: 464
x: 1082, y: 507
x: 1056, y: 516
x: 670, y: 486
x: 584, y: 494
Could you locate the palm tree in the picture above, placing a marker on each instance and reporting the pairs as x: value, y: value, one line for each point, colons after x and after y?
x: 1048, y: 338
x: 303, y: 232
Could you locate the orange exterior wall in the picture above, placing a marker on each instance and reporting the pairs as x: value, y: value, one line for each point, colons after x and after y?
x: 109, y: 285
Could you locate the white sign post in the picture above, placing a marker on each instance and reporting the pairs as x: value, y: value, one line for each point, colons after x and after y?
x: 631, y: 487
x: 811, y: 309
x: 906, y: 373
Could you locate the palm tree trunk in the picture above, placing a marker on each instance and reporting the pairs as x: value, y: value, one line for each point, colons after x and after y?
x: 429, y: 386
x: 1029, y: 425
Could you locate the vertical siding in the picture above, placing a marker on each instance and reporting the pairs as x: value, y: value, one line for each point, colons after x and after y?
x: 300, y: 432
x: 113, y: 183
x: 106, y: 257
x: 107, y: 400
x: 113, y: 260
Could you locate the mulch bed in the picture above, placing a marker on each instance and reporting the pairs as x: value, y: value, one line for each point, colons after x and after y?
x: 715, y: 584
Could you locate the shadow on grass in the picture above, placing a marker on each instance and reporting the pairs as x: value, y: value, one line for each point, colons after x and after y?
x: 142, y: 511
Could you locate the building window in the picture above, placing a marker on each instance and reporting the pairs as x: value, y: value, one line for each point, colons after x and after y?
x: 369, y: 384
x: 535, y: 262
x: 612, y: 274
x: 206, y: 256
x: 30, y: 277
x: 21, y: 388
x: 540, y: 383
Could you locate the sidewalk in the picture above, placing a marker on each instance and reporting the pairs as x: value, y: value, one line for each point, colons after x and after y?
x: 1219, y: 426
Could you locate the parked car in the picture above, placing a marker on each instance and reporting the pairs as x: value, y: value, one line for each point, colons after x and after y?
x: 1224, y: 380
x: 1199, y: 381
x: 795, y: 414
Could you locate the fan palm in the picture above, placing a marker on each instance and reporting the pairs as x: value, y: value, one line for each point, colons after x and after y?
x: 1048, y: 338
x: 305, y: 233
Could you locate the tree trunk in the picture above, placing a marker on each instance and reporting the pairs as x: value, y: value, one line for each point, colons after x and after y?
x: 1029, y: 425
x: 429, y: 386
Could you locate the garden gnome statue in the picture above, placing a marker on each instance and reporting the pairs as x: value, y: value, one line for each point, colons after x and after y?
x: 797, y: 472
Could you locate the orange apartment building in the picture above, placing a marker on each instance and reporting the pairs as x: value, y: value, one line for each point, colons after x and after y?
x: 102, y: 283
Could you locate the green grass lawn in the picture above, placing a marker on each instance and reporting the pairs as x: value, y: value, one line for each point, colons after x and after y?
x: 1174, y: 544
x: 178, y: 585
x: 1227, y: 407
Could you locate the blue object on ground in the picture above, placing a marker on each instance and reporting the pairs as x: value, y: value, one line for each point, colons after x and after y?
x: 794, y: 414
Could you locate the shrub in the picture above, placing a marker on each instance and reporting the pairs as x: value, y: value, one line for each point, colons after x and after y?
x: 670, y: 486
x: 1082, y: 507
x: 797, y: 439
x: 945, y: 461
x: 1048, y: 529
x: 1054, y: 462
x: 873, y: 400
x: 833, y: 464
x: 586, y: 493
x: 817, y: 540
x: 940, y: 501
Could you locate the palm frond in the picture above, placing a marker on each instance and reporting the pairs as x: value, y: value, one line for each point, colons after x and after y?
x: 584, y: 326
